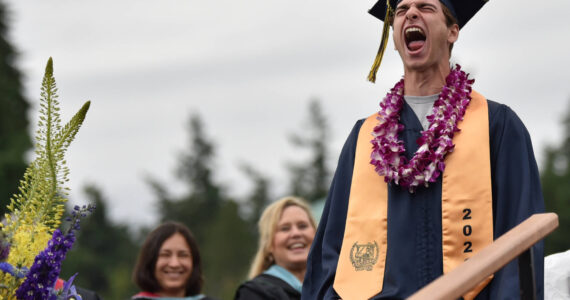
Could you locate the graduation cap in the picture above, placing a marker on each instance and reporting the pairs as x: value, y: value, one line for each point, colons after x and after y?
x: 462, y: 10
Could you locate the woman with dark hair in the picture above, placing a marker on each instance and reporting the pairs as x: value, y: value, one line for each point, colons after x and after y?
x: 169, y: 265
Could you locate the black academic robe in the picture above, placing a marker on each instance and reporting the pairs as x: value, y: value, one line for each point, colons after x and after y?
x: 152, y: 296
x: 265, y: 287
x: 414, y: 253
x: 87, y: 294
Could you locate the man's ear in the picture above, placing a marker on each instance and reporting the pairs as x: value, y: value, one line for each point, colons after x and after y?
x: 453, y: 34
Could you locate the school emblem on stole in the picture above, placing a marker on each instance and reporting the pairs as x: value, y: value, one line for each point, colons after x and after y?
x: 364, y: 256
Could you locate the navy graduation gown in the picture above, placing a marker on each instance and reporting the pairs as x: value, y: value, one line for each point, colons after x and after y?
x: 414, y: 253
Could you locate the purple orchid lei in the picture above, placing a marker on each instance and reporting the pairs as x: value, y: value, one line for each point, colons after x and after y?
x: 427, y: 163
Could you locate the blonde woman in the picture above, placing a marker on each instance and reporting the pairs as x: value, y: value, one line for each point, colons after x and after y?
x: 286, y: 232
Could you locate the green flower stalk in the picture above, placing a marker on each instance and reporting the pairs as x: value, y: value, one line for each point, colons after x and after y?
x: 36, y: 211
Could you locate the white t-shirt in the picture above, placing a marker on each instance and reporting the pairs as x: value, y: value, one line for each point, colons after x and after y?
x: 422, y: 106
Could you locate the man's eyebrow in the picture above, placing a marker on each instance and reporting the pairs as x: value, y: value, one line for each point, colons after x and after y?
x: 424, y: 4
x: 402, y: 7
x: 420, y: 4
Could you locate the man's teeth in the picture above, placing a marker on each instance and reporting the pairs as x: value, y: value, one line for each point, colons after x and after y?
x: 414, y: 29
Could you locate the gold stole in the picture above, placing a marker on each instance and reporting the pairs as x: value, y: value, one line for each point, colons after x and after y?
x: 467, y: 207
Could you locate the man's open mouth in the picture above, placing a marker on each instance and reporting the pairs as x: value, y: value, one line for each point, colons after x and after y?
x: 415, y: 38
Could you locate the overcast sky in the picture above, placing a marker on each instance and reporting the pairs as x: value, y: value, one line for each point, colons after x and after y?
x: 249, y: 68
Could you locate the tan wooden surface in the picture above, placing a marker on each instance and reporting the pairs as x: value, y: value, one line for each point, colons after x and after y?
x: 489, y: 260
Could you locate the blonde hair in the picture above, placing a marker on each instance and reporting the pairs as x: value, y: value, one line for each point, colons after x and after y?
x: 267, y: 226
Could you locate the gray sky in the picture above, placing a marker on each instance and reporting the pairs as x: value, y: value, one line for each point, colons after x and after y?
x: 249, y: 68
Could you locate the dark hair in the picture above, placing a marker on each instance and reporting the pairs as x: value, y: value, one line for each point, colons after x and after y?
x: 143, y: 274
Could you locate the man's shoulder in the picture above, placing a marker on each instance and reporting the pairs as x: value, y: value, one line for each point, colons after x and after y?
x: 359, y: 123
x: 501, y: 116
x: 495, y: 107
x: 353, y: 135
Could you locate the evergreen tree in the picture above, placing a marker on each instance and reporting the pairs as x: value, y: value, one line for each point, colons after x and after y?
x: 555, y: 178
x: 104, y: 253
x: 259, y: 197
x: 228, y: 252
x: 201, y: 205
x: 225, y: 238
x: 311, y: 179
x: 14, y: 137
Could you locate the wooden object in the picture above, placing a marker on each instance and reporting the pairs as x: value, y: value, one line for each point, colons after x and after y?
x: 489, y: 260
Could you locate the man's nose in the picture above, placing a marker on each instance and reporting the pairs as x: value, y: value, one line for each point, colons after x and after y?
x: 412, y: 13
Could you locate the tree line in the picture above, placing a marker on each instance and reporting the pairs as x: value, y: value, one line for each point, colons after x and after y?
x: 224, y: 226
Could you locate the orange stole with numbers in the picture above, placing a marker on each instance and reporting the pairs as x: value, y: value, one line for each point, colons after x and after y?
x: 467, y: 207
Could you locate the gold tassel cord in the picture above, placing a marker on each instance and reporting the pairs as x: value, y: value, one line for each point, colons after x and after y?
x: 383, y: 43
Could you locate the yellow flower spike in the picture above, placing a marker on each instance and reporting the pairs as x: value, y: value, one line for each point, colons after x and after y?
x: 36, y: 211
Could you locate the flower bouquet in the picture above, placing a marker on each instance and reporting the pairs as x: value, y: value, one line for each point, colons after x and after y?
x: 32, y: 246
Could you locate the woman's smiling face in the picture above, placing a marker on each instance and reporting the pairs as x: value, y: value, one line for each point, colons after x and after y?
x: 173, y: 266
x: 293, y: 238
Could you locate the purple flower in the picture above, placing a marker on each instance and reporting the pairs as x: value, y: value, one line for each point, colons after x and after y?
x: 44, y: 272
x: 4, y: 250
x: 69, y: 291
x: 41, y: 278
x: 427, y: 163
x: 8, y: 268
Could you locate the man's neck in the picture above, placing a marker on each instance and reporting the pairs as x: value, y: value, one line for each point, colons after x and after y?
x: 425, y: 82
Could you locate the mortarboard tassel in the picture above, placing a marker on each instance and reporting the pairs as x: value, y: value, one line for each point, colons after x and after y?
x: 383, y: 43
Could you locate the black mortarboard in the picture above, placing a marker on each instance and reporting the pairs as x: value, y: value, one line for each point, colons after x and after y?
x: 462, y: 10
